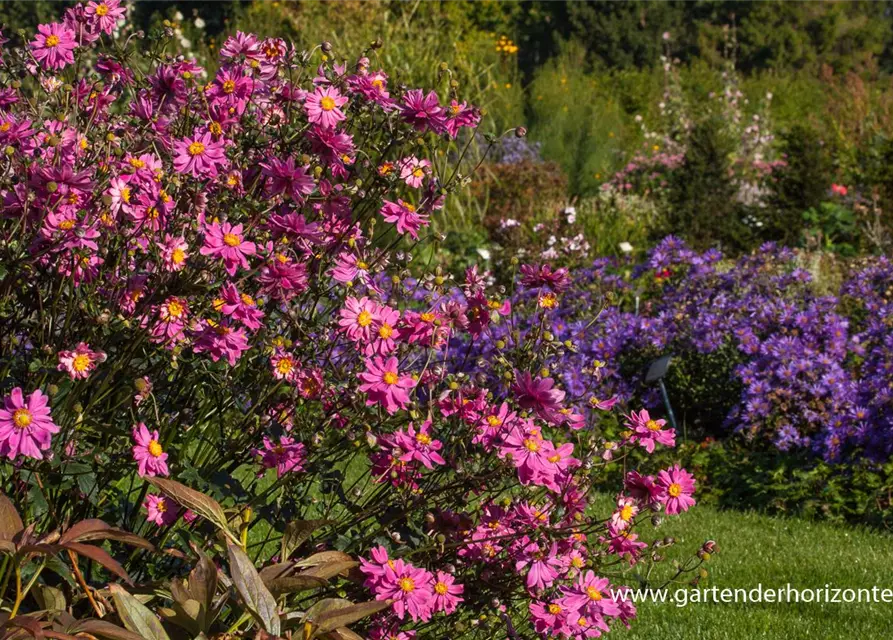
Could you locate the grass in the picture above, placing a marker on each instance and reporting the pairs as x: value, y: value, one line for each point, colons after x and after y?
x: 775, y: 551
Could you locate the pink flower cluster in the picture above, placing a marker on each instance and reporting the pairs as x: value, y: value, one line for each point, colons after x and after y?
x: 415, y: 592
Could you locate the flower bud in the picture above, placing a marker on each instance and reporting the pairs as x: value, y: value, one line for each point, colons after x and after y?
x: 520, y: 132
x: 52, y: 187
x: 326, y: 47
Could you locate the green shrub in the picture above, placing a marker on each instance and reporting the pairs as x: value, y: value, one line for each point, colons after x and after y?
x: 801, y: 185
x: 701, y: 203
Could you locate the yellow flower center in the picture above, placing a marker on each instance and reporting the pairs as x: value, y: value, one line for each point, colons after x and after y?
x: 246, y: 299
x: 554, y: 459
x: 675, y: 490
x: 216, y: 129
x: 229, y: 86
x: 81, y: 362
x: 136, y: 163
x: 577, y: 562
x: 626, y: 513
x: 418, y: 172
x: 455, y: 109
x: 441, y: 588
x: 125, y: 194
x: 652, y: 425
x: 494, y: 421
x: 22, y: 418
x: 554, y: 609
x: 409, y: 207
x: 175, y: 309
x: 378, y: 83
x: 5, y: 127
x: 101, y: 9
x: 532, y: 445
x: 327, y: 103
x: 364, y: 319
x: 155, y: 449
x: 284, y: 366
x: 196, y: 149
x: 362, y: 265
x: 52, y: 41
x: 427, y: 317
x: 423, y: 439
x: 178, y: 256
x: 231, y: 239
x: 548, y: 301
x: 407, y: 585
x: 153, y: 213
x: 594, y: 594
x: 582, y: 622
x: 161, y: 506
x: 67, y: 225
x: 386, y: 331
x: 390, y: 377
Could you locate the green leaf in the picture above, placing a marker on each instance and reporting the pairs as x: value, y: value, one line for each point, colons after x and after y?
x: 297, y: 533
x: 136, y: 616
x: 203, y: 505
x: 293, y: 584
x: 341, y: 616
x: 257, y: 598
x: 104, y: 629
x: 10, y: 521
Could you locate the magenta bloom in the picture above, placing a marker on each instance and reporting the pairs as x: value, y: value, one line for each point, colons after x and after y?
x: 161, y: 510
x: 227, y: 242
x: 678, y: 486
x: 419, y: 445
x: 53, y: 46
x: 221, y: 341
x: 646, y: 431
x: 105, y: 14
x: 284, y: 176
x: 356, y: 319
x: 80, y: 362
x: 539, y: 395
x: 25, y: 426
x: 591, y: 596
x: 240, y: 306
x: 285, y: 457
x: 446, y: 593
x: 323, y: 107
x: 404, y: 216
x: 533, y: 276
x: 622, y: 517
x: 199, y: 156
x: 413, y: 171
x: 385, y: 334
x: 423, y: 111
x: 384, y: 385
x: 642, y: 488
x: 410, y: 589
x: 147, y: 452
x: 542, y: 568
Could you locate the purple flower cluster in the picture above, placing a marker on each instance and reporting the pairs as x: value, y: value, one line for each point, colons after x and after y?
x: 804, y: 370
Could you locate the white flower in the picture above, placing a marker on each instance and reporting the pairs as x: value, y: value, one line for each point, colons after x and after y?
x: 178, y: 17
x: 185, y: 43
x: 625, y: 247
x: 199, y: 23
x: 484, y: 253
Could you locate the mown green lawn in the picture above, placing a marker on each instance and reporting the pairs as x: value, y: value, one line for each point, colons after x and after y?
x: 776, y: 551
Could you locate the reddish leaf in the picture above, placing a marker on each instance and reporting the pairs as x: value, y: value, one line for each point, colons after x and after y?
x: 104, y: 629
x: 93, y: 525
x: 30, y: 625
x: 10, y: 521
x: 99, y: 556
